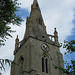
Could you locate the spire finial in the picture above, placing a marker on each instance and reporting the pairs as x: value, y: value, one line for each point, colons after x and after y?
x: 17, y: 39
x: 56, y: 35
x: 55, y: 31
x: 35, y: 4
x: 17, y: 36
x: 16, y: 44
x: 35, y: 1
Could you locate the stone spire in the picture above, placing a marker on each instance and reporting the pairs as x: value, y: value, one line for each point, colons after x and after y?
x: 35, y: 11
x: 35, y: 25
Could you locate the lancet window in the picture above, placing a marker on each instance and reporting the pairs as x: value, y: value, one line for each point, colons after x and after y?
x: 45, y: 64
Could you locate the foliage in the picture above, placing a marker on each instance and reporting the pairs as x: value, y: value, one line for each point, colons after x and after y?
x: 3, y: 62
x: 70, y: 46
x: 8, y: 16
x: 70, y: 67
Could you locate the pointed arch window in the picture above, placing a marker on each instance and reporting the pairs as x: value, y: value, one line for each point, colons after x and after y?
x: 42, y: 64
x: 46, y: 62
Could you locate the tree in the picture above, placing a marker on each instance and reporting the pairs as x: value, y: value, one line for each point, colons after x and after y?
x: 8, y: 16
x: 3, y: 62
x: 70, y: 48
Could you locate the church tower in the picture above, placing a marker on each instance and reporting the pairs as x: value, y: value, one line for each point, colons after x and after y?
x: 38, y: 51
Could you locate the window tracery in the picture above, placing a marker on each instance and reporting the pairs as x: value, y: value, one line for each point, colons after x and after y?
x: 45, y: 64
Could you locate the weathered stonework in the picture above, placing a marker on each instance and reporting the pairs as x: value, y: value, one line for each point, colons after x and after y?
x: 28, y: 53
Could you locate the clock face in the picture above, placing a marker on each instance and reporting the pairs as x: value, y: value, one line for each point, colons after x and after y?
x: 45, y: 47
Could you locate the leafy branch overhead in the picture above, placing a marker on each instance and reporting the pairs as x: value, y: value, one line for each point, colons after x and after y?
x: 3, y: 62
x: 70, y: 46
x: 8, y: 16
x: 70, y: 67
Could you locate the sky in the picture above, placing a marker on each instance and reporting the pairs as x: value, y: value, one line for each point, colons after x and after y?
x: 55, y: 13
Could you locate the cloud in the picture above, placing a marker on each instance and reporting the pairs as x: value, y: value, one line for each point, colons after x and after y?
x: 56, y: 13
x: 59, y: 14
x: 26, y: 4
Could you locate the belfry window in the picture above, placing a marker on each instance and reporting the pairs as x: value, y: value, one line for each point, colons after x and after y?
x: 44, y: 65
x: 46, y: 62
